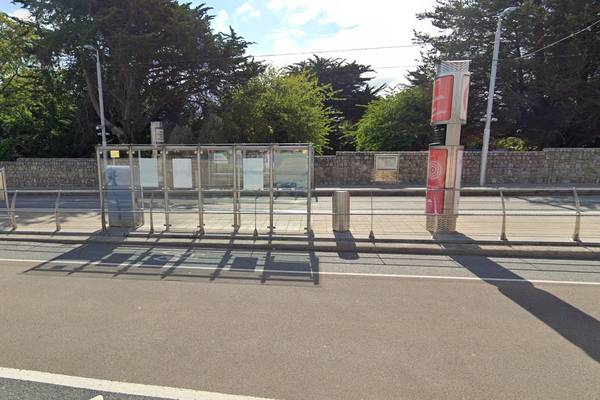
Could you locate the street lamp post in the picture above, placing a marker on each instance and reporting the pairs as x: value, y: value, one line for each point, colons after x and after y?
x: 100, y: 101
x: 490, y: 100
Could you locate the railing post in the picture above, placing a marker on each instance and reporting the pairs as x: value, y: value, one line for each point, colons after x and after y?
x: 5, y: 192
x: 101, y: 167
x: 13, y: 211
x: 56, y: 207
x: 309, y: 191
x: 372, y: 234
x: 142, y: 200
x: 151, y: 212
x: 165, y: 188
x: 236, y: 216
x: 503, y: 228
x: 255, y: 233
x: 134, y: 212
x: 577, y: 217
x: 271, y: 163
x: 200, y: 197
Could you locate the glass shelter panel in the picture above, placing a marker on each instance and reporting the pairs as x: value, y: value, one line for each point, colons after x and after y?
x: 182, y: 195
x: 148, y: 167
x: 217, y: 188
x: 253, y: 183
x: 291, y: 182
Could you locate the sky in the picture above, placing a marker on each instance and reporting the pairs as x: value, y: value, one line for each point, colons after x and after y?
x: 292, y: 26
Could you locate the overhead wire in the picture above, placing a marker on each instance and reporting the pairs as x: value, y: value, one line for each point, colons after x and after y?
x: 587, y: 28
x: 199, y: 60
x: 299, y: 53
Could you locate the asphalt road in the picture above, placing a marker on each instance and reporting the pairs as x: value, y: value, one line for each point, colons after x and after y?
x: 12, y: 389
x: 302, y: 325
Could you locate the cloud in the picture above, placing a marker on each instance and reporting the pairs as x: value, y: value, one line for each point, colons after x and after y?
x: 286, y: 38
x: 247, y: 9
x: 296, y: 12
x: 378, y: 23
x: 21, y: 13
x: 219, y: 23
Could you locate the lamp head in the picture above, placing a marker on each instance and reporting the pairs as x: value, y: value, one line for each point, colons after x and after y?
x: 507, y: 11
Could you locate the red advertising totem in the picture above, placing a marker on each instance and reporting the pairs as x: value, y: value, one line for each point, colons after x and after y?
x: 441, y: 105
x: 436, y: 180
x: 444, y: 167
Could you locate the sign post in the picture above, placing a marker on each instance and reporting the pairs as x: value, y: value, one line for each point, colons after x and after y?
x: 444, y: 166
x: 157, y: 136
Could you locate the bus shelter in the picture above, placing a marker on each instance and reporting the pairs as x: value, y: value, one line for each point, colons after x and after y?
x: 224, y: 187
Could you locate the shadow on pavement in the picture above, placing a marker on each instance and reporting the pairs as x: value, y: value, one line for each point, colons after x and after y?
x: 576, y: 326
x: 35, y: 211
x: 117, y: 260
x: 346, y: 245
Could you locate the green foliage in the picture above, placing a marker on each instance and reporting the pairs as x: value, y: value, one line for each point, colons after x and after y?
x: 512, y: 143
x: 549, y: 99
x: 160, y: 58
x: 276, y: 108
x: 397, y: 122
x: 37, y: 111
x: 352, y: 92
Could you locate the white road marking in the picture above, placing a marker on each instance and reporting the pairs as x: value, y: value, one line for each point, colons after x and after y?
x: 99, y: 397
x: 331, y: 273
x: 102, y: 385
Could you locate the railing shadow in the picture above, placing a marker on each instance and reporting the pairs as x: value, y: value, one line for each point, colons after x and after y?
x: 120, y: 261
x: 576, y: 326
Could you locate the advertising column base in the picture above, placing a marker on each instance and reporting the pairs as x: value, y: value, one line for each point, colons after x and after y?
x: 441, y: 223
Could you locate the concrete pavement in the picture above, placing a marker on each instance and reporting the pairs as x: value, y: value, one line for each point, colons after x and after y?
x: 377, y: 326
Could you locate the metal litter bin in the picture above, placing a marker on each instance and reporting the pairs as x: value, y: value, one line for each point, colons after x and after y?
x: 341, y: 211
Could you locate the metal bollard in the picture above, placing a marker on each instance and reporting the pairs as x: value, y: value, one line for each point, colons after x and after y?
x: 371, y: 234
x: 56, y: 208
x: 341, y: 211
x: 151, y: 213
x: 503, y: 228
x: 13, y: 211
x: 255, y: 233
x: 577, y: 227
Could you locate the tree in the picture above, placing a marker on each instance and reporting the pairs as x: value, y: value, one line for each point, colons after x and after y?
x: 352, y: 92
x: 274, y: 108
x: 396, y: 122
x: 161, y: 59
x: 548, y: 99
x: 38, y: 111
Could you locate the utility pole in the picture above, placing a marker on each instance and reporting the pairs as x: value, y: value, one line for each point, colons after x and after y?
x: 490, y: 100
x: 100, y: 102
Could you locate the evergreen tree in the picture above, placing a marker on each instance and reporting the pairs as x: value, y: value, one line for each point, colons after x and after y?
x: 161, y: 59
x: 274, y: 108
x: 38, y: 108
x: 352, y: 92
x: 396, y: 122
x: 548, y: 99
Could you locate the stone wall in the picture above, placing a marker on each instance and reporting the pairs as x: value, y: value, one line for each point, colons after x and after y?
x: 550, y: 166
x: 63, y: 173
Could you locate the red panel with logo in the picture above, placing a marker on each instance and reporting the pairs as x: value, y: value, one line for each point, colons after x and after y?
x: 441, y: 106
x: 436, y: 181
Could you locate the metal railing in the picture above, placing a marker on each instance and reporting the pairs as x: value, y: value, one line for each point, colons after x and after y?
x: 57, y: 210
